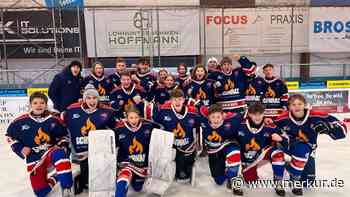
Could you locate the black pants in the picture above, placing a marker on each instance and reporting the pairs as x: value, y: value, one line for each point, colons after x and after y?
x: 184, y: 164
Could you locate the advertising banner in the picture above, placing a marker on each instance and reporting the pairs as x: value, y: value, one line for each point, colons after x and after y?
x: 111, y: 33
x: 329, y: 32
x: 256, y: 30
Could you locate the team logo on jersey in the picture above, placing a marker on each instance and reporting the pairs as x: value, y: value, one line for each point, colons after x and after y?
x: 252, y: 145
x: 179, y: 131
x: 301, y: 136
x: 229, y: 85
x: 103, y: 115
x: 101, y: 91
x: 129, y: 104
x: 241, y: 133
x: 25, y: 127
x: 250, y: 90
x: 122, y: 136
x: 135, y: 147
x: 167, y: 118
x: 76, y: 116
x: 41, y: 137
x: 201, y: 95
x: 214, y: 136
x: 270, y: 93
x: 89, y: 126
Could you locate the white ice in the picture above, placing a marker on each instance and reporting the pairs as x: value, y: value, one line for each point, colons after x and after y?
x: 332, y: 162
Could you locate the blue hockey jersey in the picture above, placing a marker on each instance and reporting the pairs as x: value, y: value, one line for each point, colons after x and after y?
x: 217, y: 138
x: 39, y: 134
x: 134, y: 143
x: 274, y: 97
x: 121, y: 98
x: 201, y: 92
x: 254, y: 141
x: 254, y: 90
x: 102, y: 85
x: 161, y: 94
x: 147, y: 81
x: 230, y: 90
x: 114, y: 79
x: 79, y: 123
x: 185, y: 127
x: 307, y: 129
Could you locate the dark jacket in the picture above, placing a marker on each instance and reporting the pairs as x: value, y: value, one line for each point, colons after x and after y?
x: 65, y: 89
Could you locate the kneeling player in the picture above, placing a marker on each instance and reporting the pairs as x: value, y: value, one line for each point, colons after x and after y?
x: 80, y: 119
x: 259, y: 142
x: 133, y: 140
x: 223, y: 149
x: 40, y: 139
x: 183, y: 121
x: 303, y: 126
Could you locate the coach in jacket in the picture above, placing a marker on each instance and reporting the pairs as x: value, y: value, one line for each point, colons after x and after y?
x: 65, y: 87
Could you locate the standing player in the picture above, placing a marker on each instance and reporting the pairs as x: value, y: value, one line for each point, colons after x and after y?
x: 200, y: 90
x: 97, y: 79
x: 258, y: 143
x: 231, y: 84
x: 133, y: 140
x: 275, y: 93
x: 80, y: 119
x: 182, y: 76
x: 126, y: 95
x: 183, y: 121
x: 213, y: 68
x: 222, y: 145
x: 144, y: 76
x: 41, y: 139
x: 303, y: 126
x: 162, y: 93
x: 120, y: 67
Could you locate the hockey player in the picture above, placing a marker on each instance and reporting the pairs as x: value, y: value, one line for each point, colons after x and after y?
x: 302, y: 126
x: 120, y: 66
x: 182, y: 76
x: 183, y: 121
x: 231, y: 83
x: 162, y: 74
x: 41, y: 139
x: 144, y: 77
x: 213, y: 68
x: 80, y: 119
x: 200, y: 90
x: 222, y: 145
x: 261, y: 142
x: 97, y: 79
x: 133, y: 139
x: 275, y: 93
x: 127, y: 94
x: 162, y: 93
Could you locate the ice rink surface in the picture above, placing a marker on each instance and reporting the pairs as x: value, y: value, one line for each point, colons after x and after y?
x: 332, y: 162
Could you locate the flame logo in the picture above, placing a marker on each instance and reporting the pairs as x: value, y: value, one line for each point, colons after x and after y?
x: 129, y: 104
x: 101, y: 91
x: 89, y: 126
x: 214, y: 136
x: 41, y: 137
x: 250, y: 90
x: 201, y: 94
x: 179, y: 131
x: 270, y: 93
x: 229, y: 85
x: 301, y: 136
x: 136, y: 147
x: 252, y: 145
